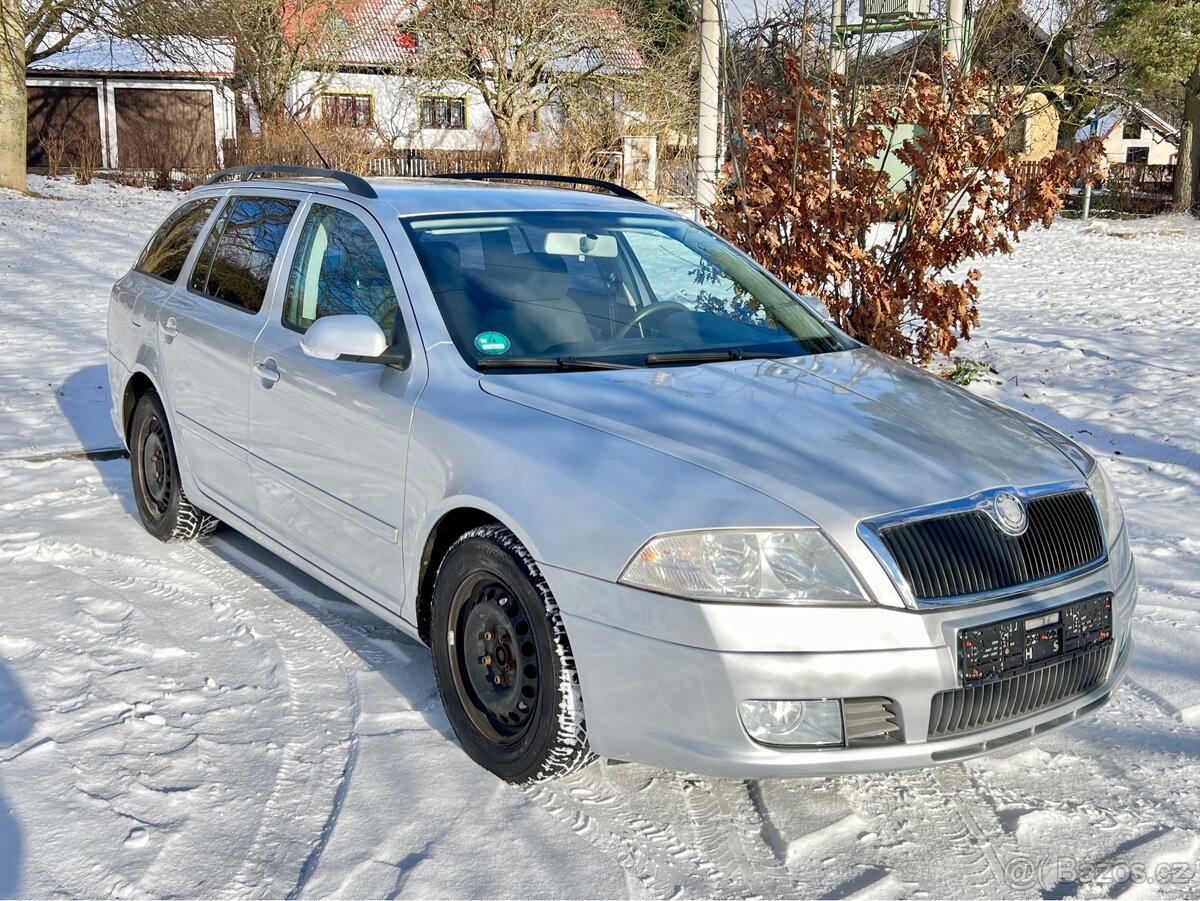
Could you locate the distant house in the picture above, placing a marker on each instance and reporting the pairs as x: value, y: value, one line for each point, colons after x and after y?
x: 130, y: 107
x: 1134, y: 134
x: 373, y: 85
x: 1021, y: 51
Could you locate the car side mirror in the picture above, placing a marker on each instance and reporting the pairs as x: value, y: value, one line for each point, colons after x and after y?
x: 355, y: 337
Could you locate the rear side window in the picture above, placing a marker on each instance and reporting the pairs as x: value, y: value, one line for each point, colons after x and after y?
x: 338, y: 269
x: 167, y: 251
x: 236, y: 260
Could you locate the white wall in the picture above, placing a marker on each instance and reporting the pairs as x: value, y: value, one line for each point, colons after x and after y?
x: 396, y: 111
x: 1116, y: 146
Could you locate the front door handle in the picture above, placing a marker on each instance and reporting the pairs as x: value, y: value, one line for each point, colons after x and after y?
x: 267, y: 371
x: 170, y: 328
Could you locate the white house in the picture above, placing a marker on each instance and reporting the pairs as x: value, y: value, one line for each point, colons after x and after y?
x: 1135, y: 134
x: 371, y: 87
x: 132, y: 106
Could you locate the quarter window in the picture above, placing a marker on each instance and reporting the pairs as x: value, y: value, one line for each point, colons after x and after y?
x: 236, y: 260
x: 167, y: 251
x: 443, y: 112
x: 338, y: 269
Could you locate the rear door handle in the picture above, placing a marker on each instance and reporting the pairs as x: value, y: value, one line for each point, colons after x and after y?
x: 267, y: 371
x: 170, y: 328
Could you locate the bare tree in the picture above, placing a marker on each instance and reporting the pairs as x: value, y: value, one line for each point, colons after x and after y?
x: 30, y: 31
x: 525, y: 55
x: 275, y: 44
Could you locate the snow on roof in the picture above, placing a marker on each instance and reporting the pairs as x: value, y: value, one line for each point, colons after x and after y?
x: 1104, y: 125
x: 98, y: 54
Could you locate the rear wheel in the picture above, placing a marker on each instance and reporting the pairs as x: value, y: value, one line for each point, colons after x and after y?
x: 165, y: 510
x: 503, y: 664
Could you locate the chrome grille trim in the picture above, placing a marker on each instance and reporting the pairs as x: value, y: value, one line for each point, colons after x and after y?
x: 961, y: 711
x: 973, y: 561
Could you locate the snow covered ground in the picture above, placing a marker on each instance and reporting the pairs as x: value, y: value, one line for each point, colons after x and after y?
x: 207, y: 721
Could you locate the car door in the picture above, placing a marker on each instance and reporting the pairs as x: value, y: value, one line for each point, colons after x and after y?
x: 207, y: 330
x: 329, y: 438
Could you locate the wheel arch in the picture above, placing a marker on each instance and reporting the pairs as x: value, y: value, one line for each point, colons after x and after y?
x: 137, y: 385
x: 449, y: 527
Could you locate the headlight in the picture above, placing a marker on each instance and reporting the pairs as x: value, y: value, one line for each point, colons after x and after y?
x: 1107, y: 503
x: 787, y: 567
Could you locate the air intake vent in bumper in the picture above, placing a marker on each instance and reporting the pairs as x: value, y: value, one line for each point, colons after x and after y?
x: 964, y: 710
x: 966, y: 553
x: 870, y: 721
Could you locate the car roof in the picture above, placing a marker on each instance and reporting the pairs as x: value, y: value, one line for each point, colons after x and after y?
x: 424, y: 196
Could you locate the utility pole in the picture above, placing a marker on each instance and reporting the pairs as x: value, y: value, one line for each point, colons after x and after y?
x: 708, y: 124
x: 837, y: 45
x: 956, y: 32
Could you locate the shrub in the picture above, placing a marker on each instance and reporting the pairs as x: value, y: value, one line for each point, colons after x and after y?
x: 85, y: 160
x: 810, y: 202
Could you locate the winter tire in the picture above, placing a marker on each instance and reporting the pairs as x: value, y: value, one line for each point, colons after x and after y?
x: 503, y: 663
x: 165, y: 510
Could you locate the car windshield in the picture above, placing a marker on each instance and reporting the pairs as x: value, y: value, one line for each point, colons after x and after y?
x: 562, y: 291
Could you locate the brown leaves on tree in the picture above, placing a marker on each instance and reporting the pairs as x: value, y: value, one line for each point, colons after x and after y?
x: 809, y: 200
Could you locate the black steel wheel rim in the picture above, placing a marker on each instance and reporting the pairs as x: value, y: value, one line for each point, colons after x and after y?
x: 156, y: 466
x: 495, y: 659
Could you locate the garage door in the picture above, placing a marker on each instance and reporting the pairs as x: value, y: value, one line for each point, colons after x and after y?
x: 66, y: 116
x: 158, y: 127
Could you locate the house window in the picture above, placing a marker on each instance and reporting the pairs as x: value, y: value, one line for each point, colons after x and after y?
x: 1017, y: 139
x: 1137, y: 155
x: 1131, y: 128
x: 347, y: 109
x: 443, y: 112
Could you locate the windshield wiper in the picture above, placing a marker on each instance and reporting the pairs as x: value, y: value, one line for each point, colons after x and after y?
x: 556, y: 364
x: 711, y: 356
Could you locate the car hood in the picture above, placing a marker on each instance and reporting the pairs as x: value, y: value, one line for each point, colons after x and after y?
x: 853, y: 433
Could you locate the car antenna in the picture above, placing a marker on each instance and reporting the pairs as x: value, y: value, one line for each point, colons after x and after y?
x: 316, y: 149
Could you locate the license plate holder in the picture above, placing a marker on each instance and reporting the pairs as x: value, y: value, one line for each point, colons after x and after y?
x: 1026, y: 643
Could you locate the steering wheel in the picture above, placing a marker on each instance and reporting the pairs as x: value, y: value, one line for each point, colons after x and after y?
x: 654, y: 309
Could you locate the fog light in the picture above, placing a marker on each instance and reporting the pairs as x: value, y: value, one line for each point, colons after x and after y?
x: 793, y: 723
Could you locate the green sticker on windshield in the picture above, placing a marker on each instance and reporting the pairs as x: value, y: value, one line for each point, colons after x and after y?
x: 492, y: 343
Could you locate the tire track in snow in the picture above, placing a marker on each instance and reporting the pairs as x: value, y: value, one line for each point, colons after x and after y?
x: 676, y: 836
x: 317, y: 761
x: 933, y: 833
x: 316, y: 672
x: 1141, y: 826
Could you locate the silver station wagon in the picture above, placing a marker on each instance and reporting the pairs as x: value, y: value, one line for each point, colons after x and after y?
x: 638, y: 498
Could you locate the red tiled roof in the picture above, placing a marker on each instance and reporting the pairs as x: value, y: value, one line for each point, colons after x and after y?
x: 380, y: 38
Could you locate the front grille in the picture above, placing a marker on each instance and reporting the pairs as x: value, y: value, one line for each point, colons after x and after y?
x: 966, y: 553
x: 964, y: 710
x: 870, y: 721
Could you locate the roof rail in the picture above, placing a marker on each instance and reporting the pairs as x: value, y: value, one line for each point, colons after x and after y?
x: 354, y: 184
x: 609, y: 186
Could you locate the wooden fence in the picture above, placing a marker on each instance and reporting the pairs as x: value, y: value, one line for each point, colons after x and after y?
x: 1132, y: 188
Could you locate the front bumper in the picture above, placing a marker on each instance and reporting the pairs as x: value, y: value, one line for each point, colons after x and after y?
x: 662, y: 677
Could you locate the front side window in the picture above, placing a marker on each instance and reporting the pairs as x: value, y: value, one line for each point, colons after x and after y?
x: 443, y: 112
x: 235, y: 263
x: 167, y: 251
x: 338, y: 269
x: 352, y: 110
x: 606, y: 288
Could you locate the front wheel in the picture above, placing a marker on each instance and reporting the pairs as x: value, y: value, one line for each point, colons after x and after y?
x: 504, y: 667
x: 165, y: 510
